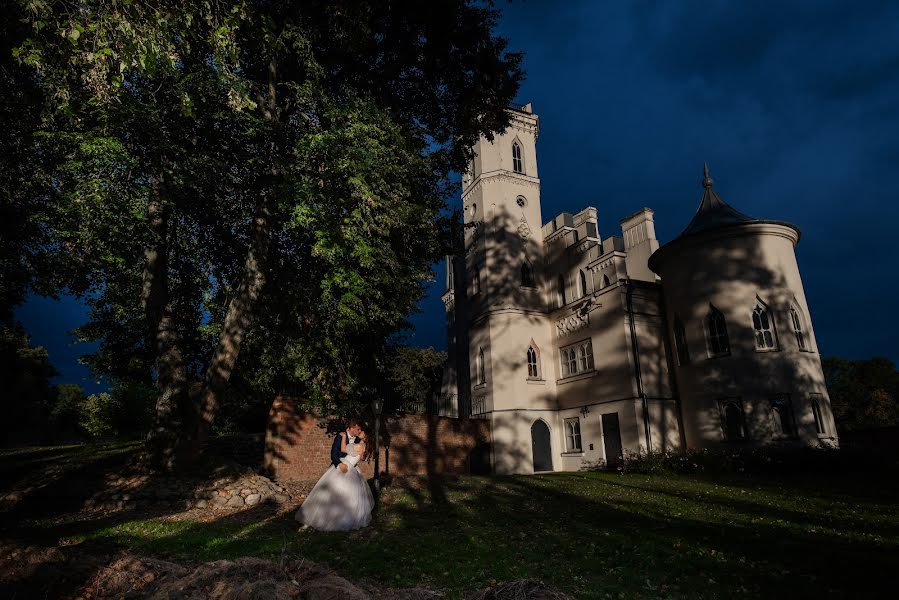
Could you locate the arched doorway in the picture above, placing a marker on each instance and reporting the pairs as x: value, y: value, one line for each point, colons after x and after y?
x: 543, y: 459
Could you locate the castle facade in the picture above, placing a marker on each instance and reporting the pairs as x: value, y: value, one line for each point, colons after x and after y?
x: 579, y: 347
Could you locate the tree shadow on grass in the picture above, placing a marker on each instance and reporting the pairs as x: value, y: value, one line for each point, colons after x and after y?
x: 758, y: 502
x: 589, y: 534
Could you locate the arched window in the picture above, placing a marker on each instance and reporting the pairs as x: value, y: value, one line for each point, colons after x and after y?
x: 582, y: 280
x: 733, y: 422
x: 517, y: 164
x: 680, y: 342
x: 476, y: 281
x: 533, y: 364
x: 561, y: 290
x: 716, y: 333
x: 796, y: 320
x: 782, y: 414
x: 527, y: 276
x: 604, y: 283
x: 573, y: 435
x: 764, y: 327
x: 816, y: 412
x: 585, y: 356
x: 482, y: 371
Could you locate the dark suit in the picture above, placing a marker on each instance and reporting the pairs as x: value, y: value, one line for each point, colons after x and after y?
x: 336, y: 454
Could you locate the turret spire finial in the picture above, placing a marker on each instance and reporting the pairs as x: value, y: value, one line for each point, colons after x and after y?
x: 707, y: 181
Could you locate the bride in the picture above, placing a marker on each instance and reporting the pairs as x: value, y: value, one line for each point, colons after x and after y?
x: 340, y: 501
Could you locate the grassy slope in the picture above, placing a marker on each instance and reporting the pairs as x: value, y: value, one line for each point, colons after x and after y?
x: 594, y: 535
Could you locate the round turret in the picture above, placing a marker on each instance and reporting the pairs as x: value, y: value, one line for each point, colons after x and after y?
x: 745, y: 359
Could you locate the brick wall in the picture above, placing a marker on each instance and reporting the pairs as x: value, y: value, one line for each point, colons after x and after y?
x: 298, y: 444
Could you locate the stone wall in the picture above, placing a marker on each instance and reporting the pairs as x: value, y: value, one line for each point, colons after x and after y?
x: 298, y: 444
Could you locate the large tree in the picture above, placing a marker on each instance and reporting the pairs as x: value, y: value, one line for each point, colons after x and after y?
x: 264, y: 176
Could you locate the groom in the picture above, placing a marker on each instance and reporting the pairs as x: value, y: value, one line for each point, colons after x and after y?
x: 354, y: 428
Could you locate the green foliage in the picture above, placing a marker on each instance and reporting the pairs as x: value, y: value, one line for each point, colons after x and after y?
x: 864, y: 394
x: 65, y: 415
x: 761, y: 460
x: 415, y: 374
x: 341, y: 121
x: 124, y: 412
x: 98, y: 414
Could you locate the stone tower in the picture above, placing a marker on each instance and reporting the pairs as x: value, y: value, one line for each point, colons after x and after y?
x: 506, y: 286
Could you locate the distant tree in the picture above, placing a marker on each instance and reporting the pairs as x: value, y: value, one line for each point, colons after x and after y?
x: 28, y: 395
x: 123, y: 412
x: 415, y: 374
x: 259, y: 177
x: 864, y: 394
x: 65, y: 415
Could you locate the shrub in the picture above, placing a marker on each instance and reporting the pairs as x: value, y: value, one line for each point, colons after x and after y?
x: 126, y: 411
x: 98, y: 415
x: 758, y: 459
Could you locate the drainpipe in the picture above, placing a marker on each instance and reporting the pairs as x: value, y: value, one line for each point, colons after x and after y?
x: 637, y: 373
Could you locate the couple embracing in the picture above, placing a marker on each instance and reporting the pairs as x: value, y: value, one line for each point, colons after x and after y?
x: 341, y: 500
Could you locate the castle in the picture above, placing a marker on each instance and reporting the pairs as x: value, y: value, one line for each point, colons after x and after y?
x: 579, y: 347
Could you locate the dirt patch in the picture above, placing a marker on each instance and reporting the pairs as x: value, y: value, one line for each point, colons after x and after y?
x: 28, y: 571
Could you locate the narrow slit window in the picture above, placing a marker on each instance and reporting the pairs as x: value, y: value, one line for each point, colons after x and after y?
x: 716, y: 332
x: 680, y: 342
x: 482, y: 371
x: 796, y: 320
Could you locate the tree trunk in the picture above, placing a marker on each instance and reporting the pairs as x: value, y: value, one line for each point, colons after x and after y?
x: 241, y: 308
x: 238, y: 320
x: 171, y: 375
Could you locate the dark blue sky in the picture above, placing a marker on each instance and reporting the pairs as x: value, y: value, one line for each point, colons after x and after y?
x: 795, y: 106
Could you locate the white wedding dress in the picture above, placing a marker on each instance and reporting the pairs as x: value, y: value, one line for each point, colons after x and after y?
x: 339, y: 501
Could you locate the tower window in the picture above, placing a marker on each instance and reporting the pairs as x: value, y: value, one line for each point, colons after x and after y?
x: 732, y: 419
x: 482, y: 371
x: 604, y: 282
x: 680, y: 342
x: 521, y: 201
x: 517, y: 165
x: 796, y: 320
x: 533, y: 364
x: 561, y: 290
x: 582, y: 279
x: 764, y: 328
x: 476, y: 281
x: 527, y: 275
x: 816, y: 413
x: 716, y: 333
x: 782, y: 415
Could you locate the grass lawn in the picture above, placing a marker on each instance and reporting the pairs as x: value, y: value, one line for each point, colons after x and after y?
x: 592, y: 535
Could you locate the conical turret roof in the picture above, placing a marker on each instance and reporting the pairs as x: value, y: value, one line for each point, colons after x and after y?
x: 713, y: 212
